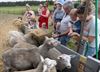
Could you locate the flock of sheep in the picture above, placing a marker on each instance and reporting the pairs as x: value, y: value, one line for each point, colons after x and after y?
x: 26, y: 56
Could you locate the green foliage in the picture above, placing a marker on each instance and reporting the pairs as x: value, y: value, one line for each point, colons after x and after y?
x: 19, y: 9
x: 76, y: 4
x: 72, y: 44
x: 6, y: 4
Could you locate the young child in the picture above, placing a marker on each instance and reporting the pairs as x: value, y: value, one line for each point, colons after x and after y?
x: 58, y: 14
x: 32, y: 24
x: 76, y: 24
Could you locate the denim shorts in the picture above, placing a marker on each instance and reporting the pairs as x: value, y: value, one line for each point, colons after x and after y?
x: 58, y: 20
x: 91, y: 51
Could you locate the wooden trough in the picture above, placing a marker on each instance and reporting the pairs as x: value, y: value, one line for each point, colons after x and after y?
x: 80, y: 63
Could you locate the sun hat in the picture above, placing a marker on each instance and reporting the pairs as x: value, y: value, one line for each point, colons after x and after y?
x: 60, y: 2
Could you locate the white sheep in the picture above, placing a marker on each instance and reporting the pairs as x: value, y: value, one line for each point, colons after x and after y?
x: 63, y: 60
x: 48, y: 44
x: 47, y: 65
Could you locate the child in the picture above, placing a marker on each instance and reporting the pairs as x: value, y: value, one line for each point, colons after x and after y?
x: 32, y: 24
x: 58, y: 14
x: 76, y: 24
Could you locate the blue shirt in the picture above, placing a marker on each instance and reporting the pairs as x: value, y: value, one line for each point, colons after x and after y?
x: 76, y: 26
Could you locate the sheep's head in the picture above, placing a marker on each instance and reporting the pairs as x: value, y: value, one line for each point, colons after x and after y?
x: 48, y: 64
x: 65, y: 59
x: 51, y: 42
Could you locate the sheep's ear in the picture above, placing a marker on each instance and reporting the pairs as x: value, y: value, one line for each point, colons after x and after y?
x: 46, y: 38
x: 72, y: 56
x: 42, y: 59
x: 59, y: 57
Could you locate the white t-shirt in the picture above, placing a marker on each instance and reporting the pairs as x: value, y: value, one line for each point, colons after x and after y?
x: 89, y: 30
x: 98, y: 31
x: 65, y: 23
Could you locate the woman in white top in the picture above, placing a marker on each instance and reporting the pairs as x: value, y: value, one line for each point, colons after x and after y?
x: 88, y: 29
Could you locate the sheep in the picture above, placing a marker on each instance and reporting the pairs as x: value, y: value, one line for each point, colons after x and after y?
x: 22, y: 44
x: 63, y: 60
x: 47, y: 65
x: 29, y: 38
x: 14, y: 37
x: 17, y: 59
x: 48, y: 44
x: 26, y: 58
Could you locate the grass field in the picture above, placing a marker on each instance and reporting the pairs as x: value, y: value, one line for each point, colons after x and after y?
x: 19, y: 9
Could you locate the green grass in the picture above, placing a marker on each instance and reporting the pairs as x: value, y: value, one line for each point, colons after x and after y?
x: 19, y: 9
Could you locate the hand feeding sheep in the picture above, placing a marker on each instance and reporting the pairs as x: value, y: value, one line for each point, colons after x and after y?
x: 17, y: 59
x: 47, y: 65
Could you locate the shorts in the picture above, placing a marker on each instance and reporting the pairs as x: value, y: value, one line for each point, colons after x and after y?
x: 58, y: 20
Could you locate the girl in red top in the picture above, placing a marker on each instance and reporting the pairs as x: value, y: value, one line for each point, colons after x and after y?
x: 44, y: 17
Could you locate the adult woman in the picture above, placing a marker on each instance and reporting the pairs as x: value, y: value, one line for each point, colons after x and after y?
x: 89, y: 29
x: 44, y: 16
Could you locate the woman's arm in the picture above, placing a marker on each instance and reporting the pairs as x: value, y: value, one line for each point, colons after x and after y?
x: 89, y: 38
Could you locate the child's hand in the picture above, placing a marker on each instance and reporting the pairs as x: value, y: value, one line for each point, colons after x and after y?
x: 55, y: 35
x: 74, y: 33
